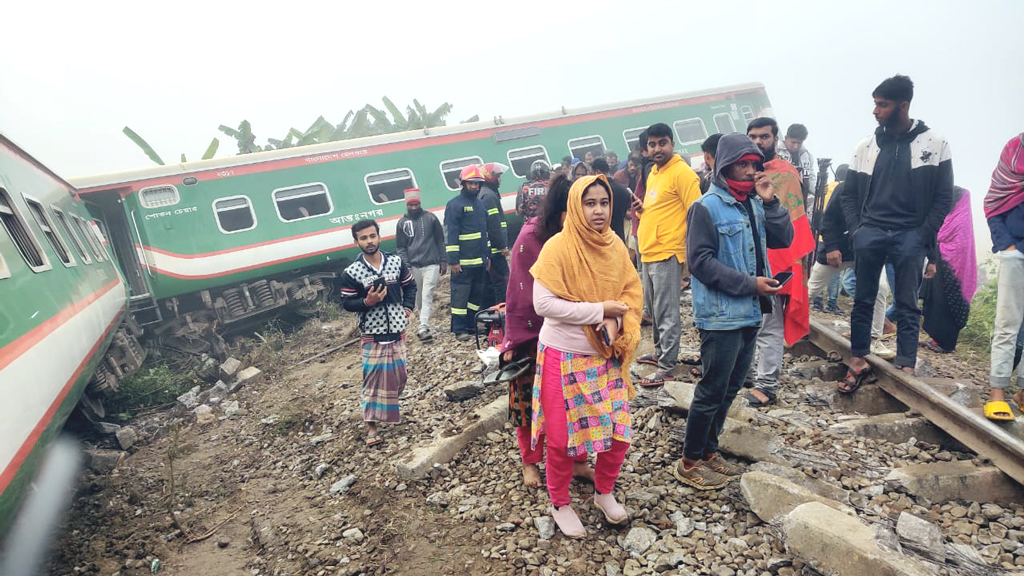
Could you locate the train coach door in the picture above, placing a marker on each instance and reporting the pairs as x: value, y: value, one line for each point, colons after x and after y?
x: 108, y: 208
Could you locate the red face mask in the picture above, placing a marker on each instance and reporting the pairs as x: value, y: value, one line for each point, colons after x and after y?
x: 740, y: 188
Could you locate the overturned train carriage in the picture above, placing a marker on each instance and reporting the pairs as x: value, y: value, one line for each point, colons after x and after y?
x: 210, y: 245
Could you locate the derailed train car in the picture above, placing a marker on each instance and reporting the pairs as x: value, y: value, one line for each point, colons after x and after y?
x: 207, y: 246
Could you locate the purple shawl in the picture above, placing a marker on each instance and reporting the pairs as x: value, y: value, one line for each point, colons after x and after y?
x: 522, y: 323
x: 956, y: 243
x: 1007, y: 190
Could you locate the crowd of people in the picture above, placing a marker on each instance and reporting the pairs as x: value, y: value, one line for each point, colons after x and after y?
x: 607, y: 246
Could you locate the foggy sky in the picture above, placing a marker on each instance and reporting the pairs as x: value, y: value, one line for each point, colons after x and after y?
x: 73, y: 74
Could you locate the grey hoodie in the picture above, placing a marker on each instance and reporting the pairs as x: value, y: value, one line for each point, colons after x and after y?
x: 420, y: 240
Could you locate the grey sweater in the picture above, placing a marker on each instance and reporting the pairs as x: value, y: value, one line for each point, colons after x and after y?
x: 420, y: 240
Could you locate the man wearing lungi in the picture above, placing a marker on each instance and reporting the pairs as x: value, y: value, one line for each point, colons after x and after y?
x: 380, y: 287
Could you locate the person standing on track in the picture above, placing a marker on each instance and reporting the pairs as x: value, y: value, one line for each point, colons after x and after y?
x: 497, y: 230
x: 420, y: 240
x: 729, y: 231
x: 379, y: 286
x: 896, y: 195
x: 469, y: 252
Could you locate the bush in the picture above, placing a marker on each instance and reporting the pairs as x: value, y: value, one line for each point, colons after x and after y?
x: 154, y: 385
x: 978, y: 332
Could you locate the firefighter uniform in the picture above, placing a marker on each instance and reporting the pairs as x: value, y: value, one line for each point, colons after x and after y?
x: 465, y: 220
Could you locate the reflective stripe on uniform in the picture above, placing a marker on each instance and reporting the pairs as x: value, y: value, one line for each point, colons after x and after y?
x: 452, y: 248
x: 504, y: 224
x: 495, y: 251
x: 459, y: 311
x: 472, y: 307
x: 473, y: 236
x: 492, y: 211
x: 470, y: 261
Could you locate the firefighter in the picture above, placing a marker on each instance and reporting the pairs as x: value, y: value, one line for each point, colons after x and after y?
x: 497, y: 230
x: 468, y: 250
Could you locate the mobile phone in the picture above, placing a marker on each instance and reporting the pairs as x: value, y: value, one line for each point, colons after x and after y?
x: 604, y: 334
x: 379, y: 283
x: 783, y: 277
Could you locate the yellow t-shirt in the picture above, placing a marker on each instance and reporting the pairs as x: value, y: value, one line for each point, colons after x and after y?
x: 671, y: 190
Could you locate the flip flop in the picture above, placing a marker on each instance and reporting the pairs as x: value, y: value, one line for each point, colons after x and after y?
x: 858, y: 379
x: 756, y: 402
x: 696, y: 372
x: 648, y: 359
x: 653, y: 380
x: 998, y: 411
x: 373, y: 439
x: 934, y: 347
x: 691, y: 361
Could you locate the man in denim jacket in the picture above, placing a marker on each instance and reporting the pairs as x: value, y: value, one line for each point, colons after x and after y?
x: 727, y: 234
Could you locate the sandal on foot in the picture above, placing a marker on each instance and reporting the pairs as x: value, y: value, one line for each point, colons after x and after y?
x: 853, y: 380
x: 696, y: 372
x: 373, y: 439
x: 756, y: 402
x: 700, y: 476
x: 648, y: 359
x: 613, y: 512
x: 568, y: 522
x: 998, y: 411
x: 654, y: 379
x: 934, y: 347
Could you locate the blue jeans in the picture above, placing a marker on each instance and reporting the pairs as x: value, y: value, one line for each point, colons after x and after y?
x: 904, y: 249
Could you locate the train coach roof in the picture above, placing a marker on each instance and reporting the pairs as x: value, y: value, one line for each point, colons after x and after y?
x: 85, y: 183
x: 8, y: 143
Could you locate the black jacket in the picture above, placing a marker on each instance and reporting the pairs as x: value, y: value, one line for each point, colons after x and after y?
x: 386, y: 320
x: 921, y: 160
x: 834, y: 233
x: 497, y: 228
x: 420, y: 240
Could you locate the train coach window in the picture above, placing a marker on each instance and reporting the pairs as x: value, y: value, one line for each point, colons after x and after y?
x: 234, y: 214
x: 62, y: 223
x: 522, y: 158
x: 578, y: 147
x: 389, y: 186
x: 19, y: 231
x: 450, y: 170
x: 5, y: 272
x: 748, y: 114
x: 632, y: 136
x: 159, y: 196
x: 724, y: 123
x: 690, y: 131
x: 46, y: 225
x: 303, y: 201
x: 89, y: 237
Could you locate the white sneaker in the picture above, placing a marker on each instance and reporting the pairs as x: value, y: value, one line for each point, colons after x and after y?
x: 882, y: 351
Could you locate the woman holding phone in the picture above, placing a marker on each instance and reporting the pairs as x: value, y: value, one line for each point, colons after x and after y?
x: 589, y: 295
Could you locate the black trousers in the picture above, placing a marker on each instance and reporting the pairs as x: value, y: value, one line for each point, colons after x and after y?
x: 470, y: 290
x: 498, y: 279
x: 725, y: 357
x: 903, y: 248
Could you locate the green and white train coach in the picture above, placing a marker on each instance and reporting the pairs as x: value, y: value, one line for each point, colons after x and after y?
x: 212, y: 243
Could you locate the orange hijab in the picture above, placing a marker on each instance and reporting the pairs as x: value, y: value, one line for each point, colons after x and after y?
x: 580, y: 264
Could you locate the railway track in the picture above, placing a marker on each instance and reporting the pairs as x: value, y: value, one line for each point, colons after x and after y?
x: 1005, y: 450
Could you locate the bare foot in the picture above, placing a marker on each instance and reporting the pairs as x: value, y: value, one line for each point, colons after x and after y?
x: 997, y: 395
x: 583, y: 471
x: 908, y: 370
x: 858, y: 364
x: 759, y: 395
x: 531, y: 475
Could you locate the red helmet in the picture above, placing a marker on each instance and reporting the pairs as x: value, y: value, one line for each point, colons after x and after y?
x: 492, y: 170
x: 471, y: 173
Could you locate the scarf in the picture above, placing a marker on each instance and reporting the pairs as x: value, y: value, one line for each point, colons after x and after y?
x: 739, y: 189
x: 788, y: 184
x: 956, y: 243
x: 1007, y: 190
x: 580, y: 264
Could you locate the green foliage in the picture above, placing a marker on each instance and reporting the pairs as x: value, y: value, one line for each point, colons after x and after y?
x: 977, y: 334
x: 211, y: 149
x: 152, y: 386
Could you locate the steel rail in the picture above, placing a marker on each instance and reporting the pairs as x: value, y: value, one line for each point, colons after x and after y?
x: 972, y: 429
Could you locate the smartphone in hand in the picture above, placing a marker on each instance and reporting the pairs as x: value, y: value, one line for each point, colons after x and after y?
x: 604, y: 334
x: 783, y: 277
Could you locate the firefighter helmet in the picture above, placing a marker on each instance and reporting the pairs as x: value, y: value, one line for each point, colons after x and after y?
x: 471, y: 173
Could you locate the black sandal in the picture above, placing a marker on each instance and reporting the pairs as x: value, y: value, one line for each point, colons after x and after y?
x: 756, y: 402
x: 847, y: 386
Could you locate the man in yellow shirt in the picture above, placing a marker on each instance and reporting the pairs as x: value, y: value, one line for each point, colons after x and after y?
x: 672, y: 188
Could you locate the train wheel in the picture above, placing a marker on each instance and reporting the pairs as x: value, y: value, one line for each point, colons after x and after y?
x: 92, y: 408
x: 180, y: 336
x: 308, y: 307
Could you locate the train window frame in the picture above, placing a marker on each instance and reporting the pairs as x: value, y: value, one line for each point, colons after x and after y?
x: 5, y: 271
x: 703, y: 127
x: 62, y: 217
x: 440, y: 166
x: 604, y: 147
x: 28, y: 235
x: 746, y: 111
x: 148, y: 206
x: 50, y: 232
x: 512, y: 166
x: 326, y: 193
x: 369, y: 192
x: 90, y: 238
x: 731, y: 123
x: 252, y: 211
x: 627, y: 140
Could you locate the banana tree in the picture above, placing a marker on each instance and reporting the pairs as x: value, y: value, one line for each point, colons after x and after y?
x: 243, y: 136
x: 139, y: 141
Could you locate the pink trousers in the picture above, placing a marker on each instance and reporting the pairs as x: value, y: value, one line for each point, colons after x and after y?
x: 558, y: 463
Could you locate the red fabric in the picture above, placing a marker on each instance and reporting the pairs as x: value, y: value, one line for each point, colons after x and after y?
x: 523, y: 438
x: 797, y: 314
x: 740, y: 189
x: 558, y: 463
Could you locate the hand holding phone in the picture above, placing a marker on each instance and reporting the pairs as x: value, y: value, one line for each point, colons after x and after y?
x: 783, y: 277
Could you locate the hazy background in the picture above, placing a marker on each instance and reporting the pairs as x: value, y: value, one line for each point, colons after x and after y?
x: 73, y: 74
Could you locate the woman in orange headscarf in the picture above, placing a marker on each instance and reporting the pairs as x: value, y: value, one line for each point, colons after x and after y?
x: 589, y: 294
